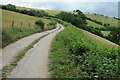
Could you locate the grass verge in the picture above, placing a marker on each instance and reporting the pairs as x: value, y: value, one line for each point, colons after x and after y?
x: 75, y: 55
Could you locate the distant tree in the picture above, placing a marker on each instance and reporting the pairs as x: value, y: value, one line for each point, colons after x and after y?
x: 75, y: 19
x: 115, y: 35
x: 10, y: 7
x: 74, y: 11
x: 105, y: 24
x: 79, y: 12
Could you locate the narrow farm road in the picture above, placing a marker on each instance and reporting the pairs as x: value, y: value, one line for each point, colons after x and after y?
x: 13, y: 49
x: 35, y: 62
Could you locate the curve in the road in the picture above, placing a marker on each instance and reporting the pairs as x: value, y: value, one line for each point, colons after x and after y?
x: 9, y: 52
x: 35, y: 62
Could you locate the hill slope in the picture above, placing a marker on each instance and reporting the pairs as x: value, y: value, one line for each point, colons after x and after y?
x: 103, y: 19
x: 16, y: 25
x: 76, y: 53
x: 50, y: 12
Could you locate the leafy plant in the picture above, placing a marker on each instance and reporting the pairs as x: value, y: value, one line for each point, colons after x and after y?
x: 75, y: 55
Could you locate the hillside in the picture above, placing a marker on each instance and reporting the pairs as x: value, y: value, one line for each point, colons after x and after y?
x: 76, y: 53
x: 78, y: 50
x: 103, y: 19
x: 16, y: 26
x: 93, y: 24
x: 90, y: 23
x: 50, y: 12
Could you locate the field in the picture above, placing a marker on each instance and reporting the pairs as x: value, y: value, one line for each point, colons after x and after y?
x: 90, y: 23
x: 16, y: 26
x: 106, y: 33
x: 50, y: 12
x: 103, y: 19
x: 76, y: 53
x: 93, y: 24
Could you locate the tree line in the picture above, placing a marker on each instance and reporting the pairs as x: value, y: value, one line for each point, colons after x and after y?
x: 98, y: 22
x: 79, y: 20
x: 31, y: 12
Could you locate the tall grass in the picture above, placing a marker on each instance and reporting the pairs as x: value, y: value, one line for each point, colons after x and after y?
x: 75, y: 55
x: 16, y: 26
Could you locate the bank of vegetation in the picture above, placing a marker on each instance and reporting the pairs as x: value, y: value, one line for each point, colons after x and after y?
x: 16, y: 26
x: 76, y: 55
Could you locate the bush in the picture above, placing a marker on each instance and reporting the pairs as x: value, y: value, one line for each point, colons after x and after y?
x: 9, y: 7
x: 40, y: 24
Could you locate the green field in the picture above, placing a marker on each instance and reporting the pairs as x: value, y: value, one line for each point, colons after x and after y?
x: 16, y: 26
x: 76, y: 53
x: 106, y: 33
x: 93, y: 24
x: 103, y: 19
x: 90, y: 23
x: 51, y: 12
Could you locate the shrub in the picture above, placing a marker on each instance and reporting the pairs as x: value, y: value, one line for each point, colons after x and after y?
x: 40, y: 24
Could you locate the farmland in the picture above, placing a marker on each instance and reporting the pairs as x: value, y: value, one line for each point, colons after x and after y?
x: 16, y: 26
x: 93, y: 24
x: 50, y: 12
x: 103, y: 19
x: 90, y: 23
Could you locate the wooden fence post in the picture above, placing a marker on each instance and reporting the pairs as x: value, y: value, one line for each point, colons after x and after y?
x: 21, y: 23
x: 13, y: 23
x: 34, y: 25
x: 29, y: 25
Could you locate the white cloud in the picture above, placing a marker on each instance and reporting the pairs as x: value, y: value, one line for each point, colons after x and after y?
x: 83, y: 5
x: 14, y: 1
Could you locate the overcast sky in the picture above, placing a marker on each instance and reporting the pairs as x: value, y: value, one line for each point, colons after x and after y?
x: 105, y: 7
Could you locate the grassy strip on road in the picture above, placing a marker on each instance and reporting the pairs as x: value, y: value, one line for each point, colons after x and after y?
x: 20, y: 55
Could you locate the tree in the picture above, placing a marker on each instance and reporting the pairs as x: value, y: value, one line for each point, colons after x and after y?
x: 75, y: 19
x: 10, y: 7
x: 40, y: 24
x: 115, y: 35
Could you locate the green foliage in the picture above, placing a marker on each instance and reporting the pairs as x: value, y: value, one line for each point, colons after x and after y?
x: 102, y: 19
x: 40, y: 24
x: 37, y: 13
x: 115, y: 35
x: 31, y: 12
x: 10, y: 7
x: 52, y: 23
x: 16, y: 33
x: 75, y: 19
x: 79, y: 20
x: 74, y: 55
